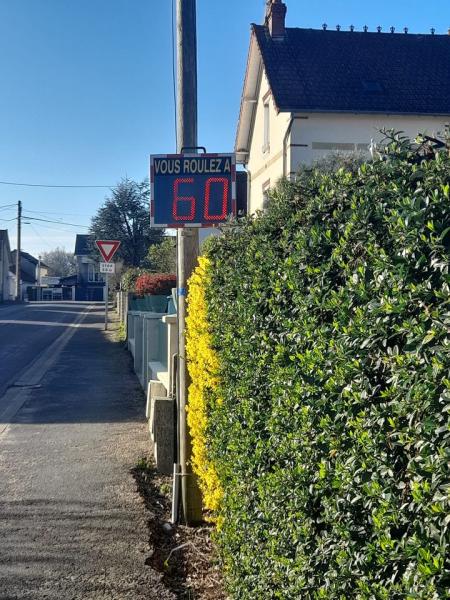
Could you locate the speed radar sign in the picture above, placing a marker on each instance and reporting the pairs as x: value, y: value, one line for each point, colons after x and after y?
x: 192, y: 190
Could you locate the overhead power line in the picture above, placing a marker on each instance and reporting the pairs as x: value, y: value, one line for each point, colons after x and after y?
x: 40, y: 236
x: 50, y: 227
x: 43, y: 212
x: 57, y: 222
x: 43, y: 185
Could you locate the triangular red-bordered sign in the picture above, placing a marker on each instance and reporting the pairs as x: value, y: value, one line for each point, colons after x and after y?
x: 107, y: 248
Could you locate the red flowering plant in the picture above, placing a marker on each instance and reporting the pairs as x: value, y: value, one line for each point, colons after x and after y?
x: 155, y: 284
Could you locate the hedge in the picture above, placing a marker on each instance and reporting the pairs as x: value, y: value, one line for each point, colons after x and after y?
x: 329, y: 427
x: 128, y: 279
x: 157, y: 284
x: 203, y: 368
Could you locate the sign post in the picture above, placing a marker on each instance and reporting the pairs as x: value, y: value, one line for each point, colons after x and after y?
x: 107, y: 249
x: 106, y: 300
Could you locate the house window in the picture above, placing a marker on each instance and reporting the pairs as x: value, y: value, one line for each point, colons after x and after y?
x: 322, y: 149
x: 93, y: 275
x: 334, y: 146
x: 266, y: 145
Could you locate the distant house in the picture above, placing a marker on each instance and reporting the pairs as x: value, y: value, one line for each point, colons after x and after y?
x: 36, y: 284
x: 43, y: 269
x: 5, y: 261
x: 28, y: 271
x: 309, y: 92
x: 89, y: 283
x: 28, y: 266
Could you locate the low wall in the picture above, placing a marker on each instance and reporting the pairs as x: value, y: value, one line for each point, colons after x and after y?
x: 152, y: 340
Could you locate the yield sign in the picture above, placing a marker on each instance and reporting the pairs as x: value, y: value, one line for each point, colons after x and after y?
x: 107, y: 248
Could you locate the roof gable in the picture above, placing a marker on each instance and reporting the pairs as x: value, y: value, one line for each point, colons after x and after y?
x: 25, y: 256
x: 82, y: 245
x: 337, y: 71
x: 249, y: 99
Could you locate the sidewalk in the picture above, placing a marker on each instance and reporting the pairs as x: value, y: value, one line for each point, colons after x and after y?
x: 72, y: 526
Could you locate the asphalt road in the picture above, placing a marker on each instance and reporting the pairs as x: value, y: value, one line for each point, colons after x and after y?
x: 71, y: 428
x: 26, y: 330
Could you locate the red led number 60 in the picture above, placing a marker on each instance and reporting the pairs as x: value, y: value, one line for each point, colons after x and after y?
x: 191, y: 199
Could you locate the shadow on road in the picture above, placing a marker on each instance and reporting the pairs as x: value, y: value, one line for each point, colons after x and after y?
x: 92, y: 381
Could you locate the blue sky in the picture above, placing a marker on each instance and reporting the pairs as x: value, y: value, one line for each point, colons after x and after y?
x: 87, y: 91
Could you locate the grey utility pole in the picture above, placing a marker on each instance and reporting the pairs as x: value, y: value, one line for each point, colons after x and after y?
x: 19, y: 234
x: 187, y: 244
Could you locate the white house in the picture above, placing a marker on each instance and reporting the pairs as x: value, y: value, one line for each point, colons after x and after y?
x: 308, y: 92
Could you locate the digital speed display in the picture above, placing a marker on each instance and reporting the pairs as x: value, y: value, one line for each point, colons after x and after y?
x: 192, y: 190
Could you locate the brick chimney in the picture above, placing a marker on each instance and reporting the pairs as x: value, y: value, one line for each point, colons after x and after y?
x: 276, y: 19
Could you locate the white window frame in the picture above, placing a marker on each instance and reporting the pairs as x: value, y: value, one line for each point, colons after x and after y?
x: 93, y: 275
x: 266, y: 117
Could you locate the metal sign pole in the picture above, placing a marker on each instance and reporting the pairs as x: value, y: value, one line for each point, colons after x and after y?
x: 106, y: 300
x: 107, y: 249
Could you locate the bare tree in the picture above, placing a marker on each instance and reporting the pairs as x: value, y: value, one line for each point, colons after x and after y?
x: 59, y: 262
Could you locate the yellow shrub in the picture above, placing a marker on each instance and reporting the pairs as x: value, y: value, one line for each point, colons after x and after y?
x: 203, y: 367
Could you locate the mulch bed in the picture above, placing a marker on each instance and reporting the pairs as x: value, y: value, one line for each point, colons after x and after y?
x: 185, y: 556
